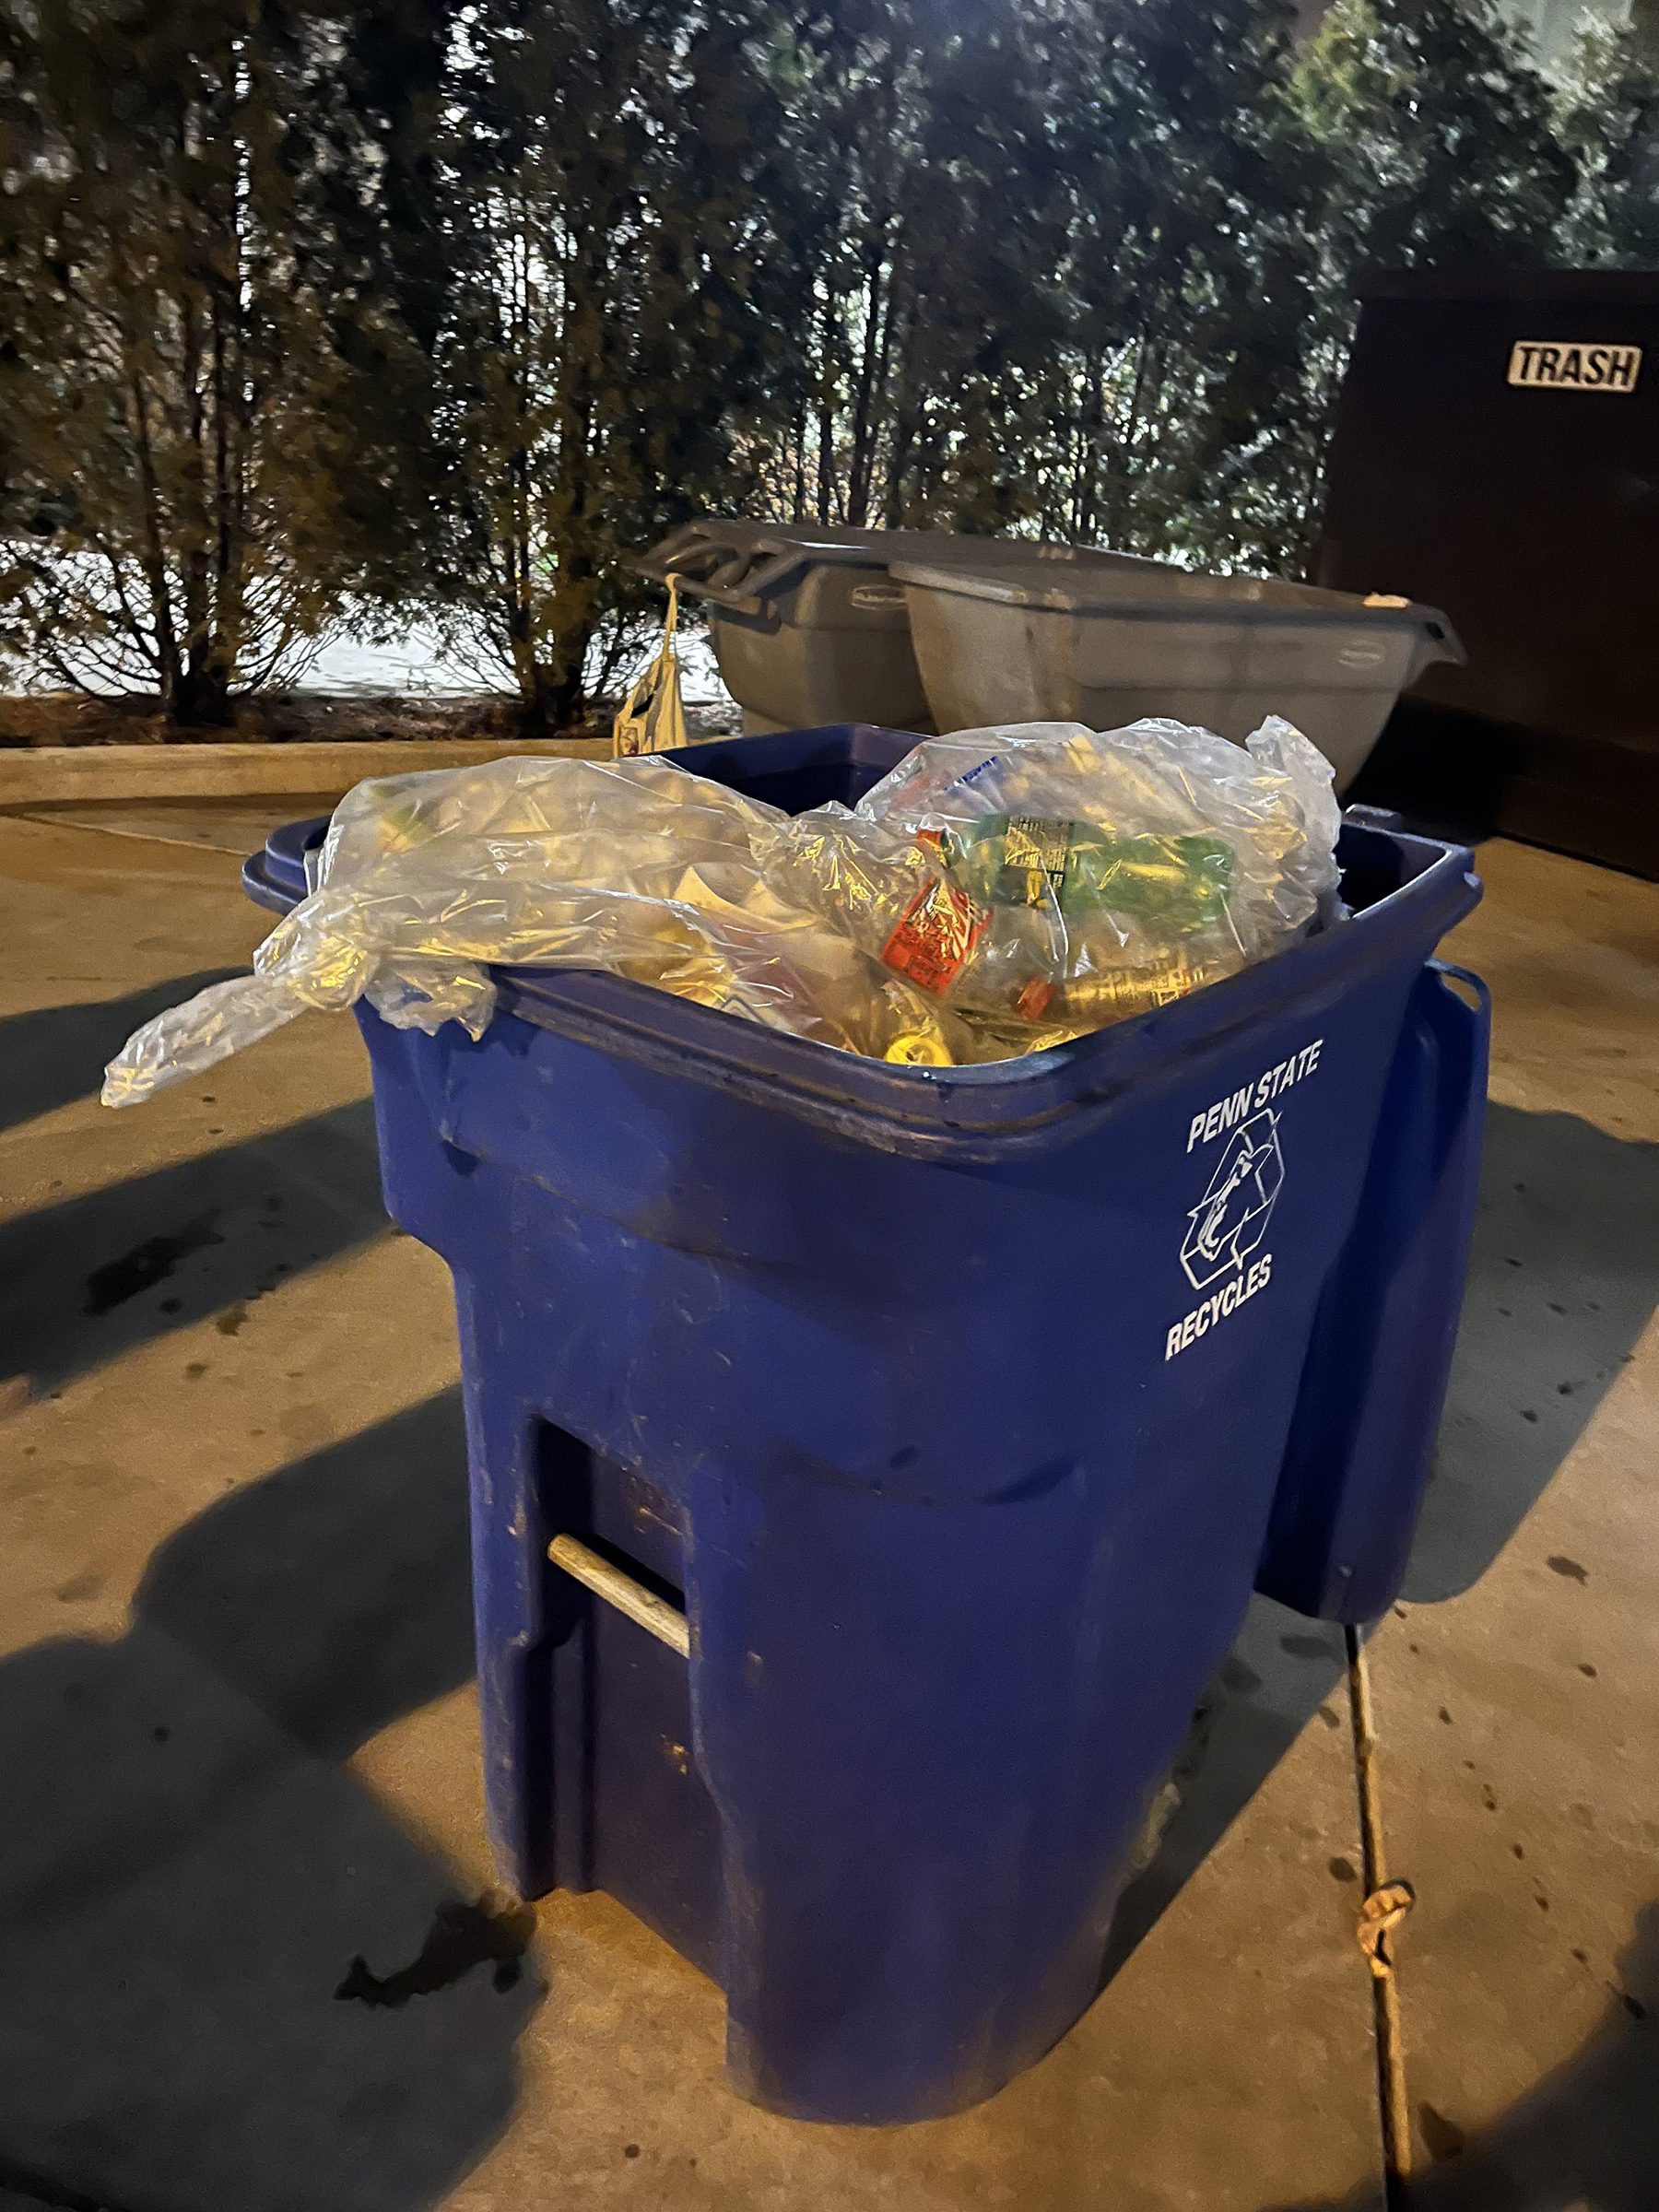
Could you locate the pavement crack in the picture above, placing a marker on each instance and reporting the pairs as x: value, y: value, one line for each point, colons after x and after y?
x: 1385, y: 1906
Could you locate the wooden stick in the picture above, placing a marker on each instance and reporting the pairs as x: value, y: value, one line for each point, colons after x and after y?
x: 656, y: 1617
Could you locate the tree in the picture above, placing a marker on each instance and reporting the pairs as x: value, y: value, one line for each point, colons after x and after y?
x: 1443, y: 134
x: 194, y: 354
x: 1179, y: 390
x: 1061, y: 273
x: 310, y: 307
x: 1608, y: 118
x: 1087, y: 267
x: 624, y: 310
x: 937, y: 220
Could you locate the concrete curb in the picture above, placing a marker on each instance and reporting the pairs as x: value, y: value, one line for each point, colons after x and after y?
x: 37, y: 775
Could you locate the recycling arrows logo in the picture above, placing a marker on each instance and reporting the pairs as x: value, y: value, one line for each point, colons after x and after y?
x: 1230, y: 1220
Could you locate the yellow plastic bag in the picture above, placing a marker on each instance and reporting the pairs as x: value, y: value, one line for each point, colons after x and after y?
x: 654, y: 718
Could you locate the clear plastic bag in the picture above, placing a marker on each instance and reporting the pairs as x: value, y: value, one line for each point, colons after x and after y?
x: 634, y: 866
x: 1045, y: 879
x: 1000, y: 892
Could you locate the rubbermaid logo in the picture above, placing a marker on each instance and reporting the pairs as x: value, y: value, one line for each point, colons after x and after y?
x: 1541, y: 367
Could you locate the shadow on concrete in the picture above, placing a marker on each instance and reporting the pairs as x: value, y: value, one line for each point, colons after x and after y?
x: 231, y: 1979
x: 58, y: 1053
x: 82, y: 1282
x: 1563, y: 1279
x: 1588, y: 2134
x: 1281, y: 1672
x: 1584, y: 2139
x: 336, y: 1593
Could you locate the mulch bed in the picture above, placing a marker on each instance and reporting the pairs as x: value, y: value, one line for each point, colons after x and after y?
x: 270, y: 718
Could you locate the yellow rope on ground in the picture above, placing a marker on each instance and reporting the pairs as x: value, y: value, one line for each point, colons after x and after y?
x: 1386, y: 1905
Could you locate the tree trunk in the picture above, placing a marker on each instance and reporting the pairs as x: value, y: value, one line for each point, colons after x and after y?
x: 826, y: 425
x: 861, y: 467
x: 554, y: 699
x: 154, y: 559
x: 903, y: 411
x: 560, y: 698
x: 200, y: 697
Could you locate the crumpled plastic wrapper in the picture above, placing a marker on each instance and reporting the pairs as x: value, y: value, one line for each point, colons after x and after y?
x: 633, y: 867
x: 998, y: 892
x: 1042, y: 880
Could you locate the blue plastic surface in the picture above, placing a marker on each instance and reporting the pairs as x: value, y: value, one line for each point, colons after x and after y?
x: 957, y: 1408
x: 1381, y: 1351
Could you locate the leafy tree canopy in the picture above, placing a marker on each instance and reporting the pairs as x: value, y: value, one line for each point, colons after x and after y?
x: 310, y: 308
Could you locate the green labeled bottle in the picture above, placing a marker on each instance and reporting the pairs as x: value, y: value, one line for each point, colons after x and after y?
x: 1178, y: 884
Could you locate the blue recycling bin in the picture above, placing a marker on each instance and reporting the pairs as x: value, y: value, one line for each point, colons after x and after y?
x: 908, y: 1439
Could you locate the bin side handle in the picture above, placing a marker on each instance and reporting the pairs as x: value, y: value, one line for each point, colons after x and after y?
x: 744, y: 580
x: 642, y: 1606
x: 749, y: 571
x: 1436, y: 640
x: 726, y: 563
x: 1450, y: 973
x: 738, y: 575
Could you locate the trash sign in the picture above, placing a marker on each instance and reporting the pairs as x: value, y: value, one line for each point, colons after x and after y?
x: 1539, y: 366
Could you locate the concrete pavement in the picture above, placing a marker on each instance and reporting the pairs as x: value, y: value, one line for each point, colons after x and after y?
x: 1517, y: 1689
